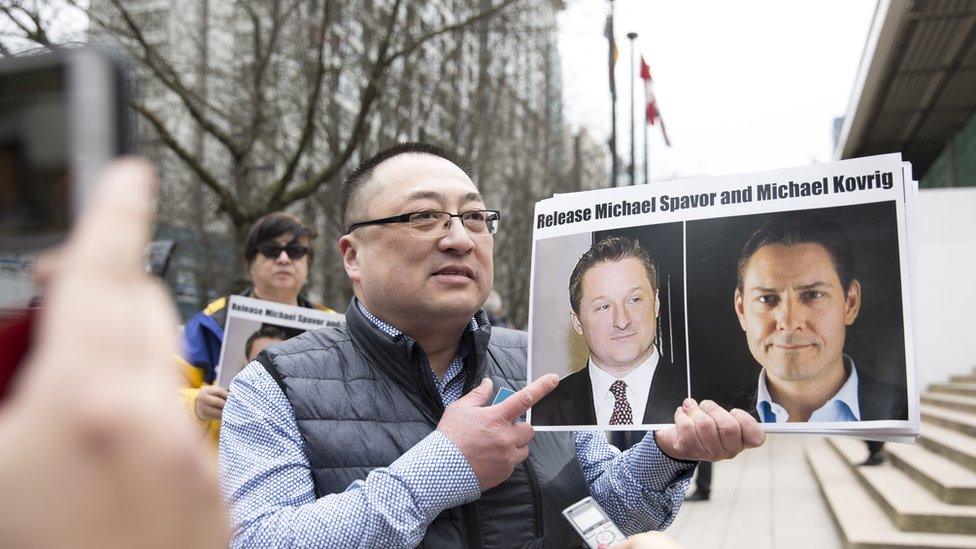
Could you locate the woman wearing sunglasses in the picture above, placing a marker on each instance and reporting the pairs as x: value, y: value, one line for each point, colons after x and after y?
x: 278, y: 252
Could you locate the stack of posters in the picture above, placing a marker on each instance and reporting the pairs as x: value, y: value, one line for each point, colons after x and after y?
x: 252, y: 324
x: 786, y: 293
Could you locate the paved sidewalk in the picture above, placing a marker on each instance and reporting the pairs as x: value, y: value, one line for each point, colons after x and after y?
x: 764, y: 499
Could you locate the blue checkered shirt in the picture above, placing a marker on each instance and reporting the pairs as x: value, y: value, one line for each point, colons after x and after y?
x: 266, y: 478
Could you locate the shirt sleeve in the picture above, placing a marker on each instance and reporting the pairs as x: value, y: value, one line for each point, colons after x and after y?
x: 641, y: 489
x: 266, y: 479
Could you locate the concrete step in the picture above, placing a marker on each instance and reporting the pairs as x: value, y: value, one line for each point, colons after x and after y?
x: 948, y: 480
x: 953, y: 402
x: 949, y: 443
x: 862, y: 523
x: 968, y: 378
x: 909, y: 505
x: 963, y: 422
x: 966, y: 389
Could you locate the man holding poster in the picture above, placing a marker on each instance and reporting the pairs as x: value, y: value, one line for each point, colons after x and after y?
x: 379, y: 433
x: 614, y: 295
x: 797, y: 293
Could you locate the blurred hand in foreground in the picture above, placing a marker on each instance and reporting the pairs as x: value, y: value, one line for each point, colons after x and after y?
x: 95, y: 450
x: 707, y: 432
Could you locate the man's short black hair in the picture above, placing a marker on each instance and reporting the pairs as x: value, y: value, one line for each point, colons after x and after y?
x: 610, y: 249
x: 358, y: 178
x: 273, y: 225
x: 269, y: 331
x: 792, y: 228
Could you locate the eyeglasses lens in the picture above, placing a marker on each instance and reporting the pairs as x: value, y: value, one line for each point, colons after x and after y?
x: 437, y: 224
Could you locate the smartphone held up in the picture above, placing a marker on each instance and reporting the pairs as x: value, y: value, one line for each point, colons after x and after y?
x: 62, y: 117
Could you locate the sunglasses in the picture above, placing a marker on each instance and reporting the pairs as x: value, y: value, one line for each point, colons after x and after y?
x: 273, y: 251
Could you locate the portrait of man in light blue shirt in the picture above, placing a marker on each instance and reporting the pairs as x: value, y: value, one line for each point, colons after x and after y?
x: 797, y: 294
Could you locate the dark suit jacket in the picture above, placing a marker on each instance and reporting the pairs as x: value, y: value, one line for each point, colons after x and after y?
x: 879, y: 400
x: 571, y: 403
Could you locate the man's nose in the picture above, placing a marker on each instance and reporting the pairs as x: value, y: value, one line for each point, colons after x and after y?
x: 621, y: 318
x: 790, y: 315
x: 283, y: 257
x: 457, y: 238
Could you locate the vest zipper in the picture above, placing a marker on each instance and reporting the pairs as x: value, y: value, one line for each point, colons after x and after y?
x: 472, y: 531
x: 536, y: 497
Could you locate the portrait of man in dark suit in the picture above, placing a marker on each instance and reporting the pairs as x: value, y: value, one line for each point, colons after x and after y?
x: 797, y: 294
x: 613, y: 292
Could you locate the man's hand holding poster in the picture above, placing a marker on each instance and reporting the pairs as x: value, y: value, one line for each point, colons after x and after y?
x: 786, y: 294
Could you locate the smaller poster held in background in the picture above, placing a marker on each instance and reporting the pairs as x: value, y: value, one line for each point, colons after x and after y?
x: 253, y: 324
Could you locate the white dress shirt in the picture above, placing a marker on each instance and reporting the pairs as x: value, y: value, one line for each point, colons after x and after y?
x: 638, y: 387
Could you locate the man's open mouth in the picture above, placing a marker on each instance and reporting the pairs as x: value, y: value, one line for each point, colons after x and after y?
x: 455, y: 271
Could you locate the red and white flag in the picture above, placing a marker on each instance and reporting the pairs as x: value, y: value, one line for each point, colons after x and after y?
x: 653, y: 113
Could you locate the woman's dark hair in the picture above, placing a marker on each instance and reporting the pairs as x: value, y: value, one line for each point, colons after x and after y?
x: 794, y: 228
x: 609, y: 250
x: 272, y: 226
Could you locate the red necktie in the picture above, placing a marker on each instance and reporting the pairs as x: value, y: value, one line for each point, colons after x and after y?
x: 622, y: 414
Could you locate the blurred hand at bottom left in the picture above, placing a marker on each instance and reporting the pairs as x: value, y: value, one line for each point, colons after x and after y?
x: 94, y: 449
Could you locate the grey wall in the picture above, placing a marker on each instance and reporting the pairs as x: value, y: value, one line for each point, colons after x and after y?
x: 946, y: 268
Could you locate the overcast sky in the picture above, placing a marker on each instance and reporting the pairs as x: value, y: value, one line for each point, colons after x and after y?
x: 743, y: 85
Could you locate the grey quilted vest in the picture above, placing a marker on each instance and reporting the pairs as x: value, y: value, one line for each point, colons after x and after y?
x: 362, y: 399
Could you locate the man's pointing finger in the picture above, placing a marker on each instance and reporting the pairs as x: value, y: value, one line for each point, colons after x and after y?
x: 516, y: 405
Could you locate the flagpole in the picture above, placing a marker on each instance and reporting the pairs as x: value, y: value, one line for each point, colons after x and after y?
x: 633, y: 161
x: 647, y: 155
x: 613, y: 101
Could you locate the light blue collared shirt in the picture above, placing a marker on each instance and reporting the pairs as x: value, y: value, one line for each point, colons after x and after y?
x: 843, y: 406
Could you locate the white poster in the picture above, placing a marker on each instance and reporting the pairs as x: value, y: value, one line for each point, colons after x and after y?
x: 785, y: 293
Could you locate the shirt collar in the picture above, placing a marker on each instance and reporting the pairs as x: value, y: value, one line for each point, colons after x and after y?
x: 638, y: 380
x: 848, y: 391
x: 769, y: 411
x: 391, y: 330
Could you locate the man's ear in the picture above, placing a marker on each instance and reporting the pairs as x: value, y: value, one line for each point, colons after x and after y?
x: 577, y: 325
x: 852, y: 304
x: 350, y: 258
x: 739, y: 306
x: 657, y: 303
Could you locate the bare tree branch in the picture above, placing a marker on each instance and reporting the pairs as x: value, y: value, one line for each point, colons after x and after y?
x: 420, y: 41
x: 371, y: 92
x: 311, y: 108
x: 228, y: 203
x: 257, y: 103
x: 263, y: 56
x: 37, y: 33
x: 169, y: 77
x: 262, y: 59
x: 366, y: 99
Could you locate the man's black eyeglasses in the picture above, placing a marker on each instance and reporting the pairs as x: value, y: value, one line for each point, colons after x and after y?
x: 273, y: 251
x: 435, y: 224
